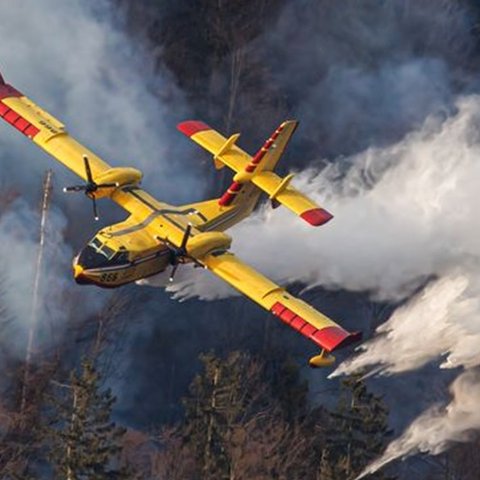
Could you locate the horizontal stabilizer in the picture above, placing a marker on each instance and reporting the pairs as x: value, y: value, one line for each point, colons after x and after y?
x: 281, y: 192
x: 224, y: 150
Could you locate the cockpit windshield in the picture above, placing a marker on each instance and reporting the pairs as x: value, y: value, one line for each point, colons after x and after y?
x: 92, y: 258
x: 97, y: 255
x: 101, y: 248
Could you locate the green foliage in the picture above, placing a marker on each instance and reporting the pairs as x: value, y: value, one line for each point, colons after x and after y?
x: 86, y: 443
x: 238, y: 424
x: 357, y: 432
x: 248, y: 419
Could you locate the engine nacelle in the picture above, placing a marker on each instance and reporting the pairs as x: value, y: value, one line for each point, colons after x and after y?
x: 121, y: 176
x: 207, y: 242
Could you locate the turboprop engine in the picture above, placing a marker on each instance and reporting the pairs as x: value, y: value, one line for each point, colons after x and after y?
x: 106, y: 183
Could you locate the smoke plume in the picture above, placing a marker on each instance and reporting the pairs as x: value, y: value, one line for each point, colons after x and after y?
x: 402, y: 127
x: 72, y: 60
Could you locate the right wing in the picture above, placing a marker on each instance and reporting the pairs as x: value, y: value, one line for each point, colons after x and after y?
x: 294, y: 312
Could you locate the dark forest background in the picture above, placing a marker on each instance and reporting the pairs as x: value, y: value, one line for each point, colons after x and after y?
x: 145, y: 387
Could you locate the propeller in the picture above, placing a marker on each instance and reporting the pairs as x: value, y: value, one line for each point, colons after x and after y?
x: 90, y: 187
x: 177, y: 254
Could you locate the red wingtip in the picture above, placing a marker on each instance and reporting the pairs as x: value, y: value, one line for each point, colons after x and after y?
x: 317, y: 216
x: 191, y: 127
x: 7, y: 91
x: 333, y: 338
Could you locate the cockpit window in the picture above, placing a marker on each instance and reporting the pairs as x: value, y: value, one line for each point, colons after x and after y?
x: 120, y: 258
x: 108, y: 252
x: 101, y: 248
x: 92, y: 258
x: 96, y: 255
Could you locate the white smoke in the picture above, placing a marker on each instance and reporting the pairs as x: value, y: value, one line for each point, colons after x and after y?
x: 70, y: 58
x: 405, y: 216
x: 435, y: 429
x: 402, y: 214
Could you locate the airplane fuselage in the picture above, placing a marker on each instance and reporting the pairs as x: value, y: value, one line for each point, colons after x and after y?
x: 117, y: 273
x: 121, y: 254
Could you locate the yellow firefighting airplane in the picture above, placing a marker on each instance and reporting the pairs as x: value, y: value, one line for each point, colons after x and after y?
x: 157, y: 236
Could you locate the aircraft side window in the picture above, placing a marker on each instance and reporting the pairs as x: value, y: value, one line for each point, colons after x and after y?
x: 108, y: 252
x: 96, y: 243
x: 120, y: 258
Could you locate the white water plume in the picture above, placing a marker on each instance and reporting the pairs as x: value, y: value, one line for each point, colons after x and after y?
x: 434, y: 430
x: 405, y: 216
x: 402, y: 214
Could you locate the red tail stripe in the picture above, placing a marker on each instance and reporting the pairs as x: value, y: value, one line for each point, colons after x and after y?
x: 258, y: 156
x: 235, y: 187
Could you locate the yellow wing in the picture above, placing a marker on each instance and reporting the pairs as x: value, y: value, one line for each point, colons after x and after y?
x: 51, y: 135
x: 294, y: 312
x: 47, y: 132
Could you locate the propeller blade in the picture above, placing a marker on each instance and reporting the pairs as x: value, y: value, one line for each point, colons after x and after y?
x: 108, y: 185
x: 75, y: 188
x: 183, y: 246
x: 95, y: 212
x: 87, y: 169
x: 172, y: 274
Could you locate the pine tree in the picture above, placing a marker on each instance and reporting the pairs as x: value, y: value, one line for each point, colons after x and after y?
x: 240, y: 424
x: 86, y: 443
x: 357, y: 433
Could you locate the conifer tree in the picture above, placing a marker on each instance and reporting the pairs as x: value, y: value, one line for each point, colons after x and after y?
x: 86, y: 443
x: 357, y: 433
x: 236, y: 426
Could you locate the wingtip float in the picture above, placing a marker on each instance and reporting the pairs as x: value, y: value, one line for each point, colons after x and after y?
x: 157, y: 237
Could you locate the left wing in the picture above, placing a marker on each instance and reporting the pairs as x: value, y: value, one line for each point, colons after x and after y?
x: 294, y: 312
x: 46, y: 131
x: 51, y: 135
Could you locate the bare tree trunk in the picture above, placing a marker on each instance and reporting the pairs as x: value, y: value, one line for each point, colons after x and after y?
x: 47, y: 190
x: 236, y: 70
x: 70, y: 473
x: 208, y: 444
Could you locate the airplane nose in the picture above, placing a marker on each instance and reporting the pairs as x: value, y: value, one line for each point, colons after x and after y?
x: 78, y: 274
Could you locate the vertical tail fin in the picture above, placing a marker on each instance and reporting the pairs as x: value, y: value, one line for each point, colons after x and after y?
x: 267, y: 157
x: 264, y: 160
